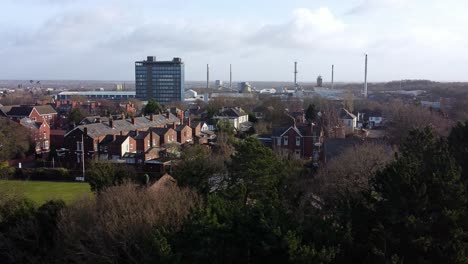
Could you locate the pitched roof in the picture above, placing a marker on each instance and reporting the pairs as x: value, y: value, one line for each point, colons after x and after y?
x: 180, y: 127
x: 119, y: 140
x: 45, y: 109
x: 345, y: 114
x: 161, y: 131
x: 141, y: 135
x: 125, y: 125
x: 232, y: 112
x: 94, y: 119
x: 28, y: 123
x: 23, y: 110
x: 278, y: 131
x: 5, y: 109
x: 194, y: 124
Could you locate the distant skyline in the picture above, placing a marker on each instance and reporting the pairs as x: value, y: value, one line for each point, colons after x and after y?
x: 101, y: 39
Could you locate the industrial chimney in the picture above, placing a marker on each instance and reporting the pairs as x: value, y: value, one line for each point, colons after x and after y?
x: 332, y: 77
x: 295, y: 74
x: 207, y: 76
x: 230, y: 76
x: 365, y: 78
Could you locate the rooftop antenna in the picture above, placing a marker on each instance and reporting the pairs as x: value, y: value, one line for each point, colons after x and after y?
x: 365, y: 78
x: 207, y: 76
x: 230, y: 76
x: 332, y: 77
x: 295, y: 74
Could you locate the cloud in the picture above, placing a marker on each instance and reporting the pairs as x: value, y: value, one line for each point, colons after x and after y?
x: 371, y: 5
x: 309, y: 29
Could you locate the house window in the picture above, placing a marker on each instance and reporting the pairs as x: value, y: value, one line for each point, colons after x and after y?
x: 78, y: 146
x: 148, y: 143
x: 45, y: 135
x: 278, y: 140
x: 286, y: 139
x: 297, y: 153
x: 298, y: 141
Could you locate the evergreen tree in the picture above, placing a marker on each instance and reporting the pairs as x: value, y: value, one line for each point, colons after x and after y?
x: 152, y: 107
x: 255, y: 172
x: 458, y: 141
x: 310, y: 113
x: 420, y: 205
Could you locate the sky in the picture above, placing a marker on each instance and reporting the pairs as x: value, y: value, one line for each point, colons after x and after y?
x: 101, y: 39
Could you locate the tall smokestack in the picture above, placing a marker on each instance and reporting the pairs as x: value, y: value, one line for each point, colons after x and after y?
x: 365, y: 78
x: 207, y: 76
x: 295, y: 74
x: 332, y: 77
x: 230, y: 76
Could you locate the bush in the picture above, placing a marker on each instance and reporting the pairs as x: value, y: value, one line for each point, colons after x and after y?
x: 45, y: 174
x: 6, y: 172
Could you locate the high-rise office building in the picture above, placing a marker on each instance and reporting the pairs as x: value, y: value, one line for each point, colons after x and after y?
x: 159, y: 80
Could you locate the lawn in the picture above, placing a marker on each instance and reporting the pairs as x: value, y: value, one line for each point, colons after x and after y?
x: 42, y: 191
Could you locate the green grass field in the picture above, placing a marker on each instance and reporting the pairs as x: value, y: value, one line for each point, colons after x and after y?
x: 42, y: 191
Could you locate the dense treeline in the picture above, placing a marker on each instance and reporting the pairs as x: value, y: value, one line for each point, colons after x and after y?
x: 240, y: 203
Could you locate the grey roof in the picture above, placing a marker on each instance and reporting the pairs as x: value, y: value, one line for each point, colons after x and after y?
x: 45, y: 109
x: 161, y: 131
x: 23, y: 110
x: 5, y: 109
x: 277, y: 132
x: 232, y: 112
x: 85, y: 93
x: 180, y: 128
x: 120, y: 139
x: 93, y: 119
x: 345, y: 114
x: 141, y: 123
x: 28, y: 123
x: 141, y: 135
x: 194, y: 124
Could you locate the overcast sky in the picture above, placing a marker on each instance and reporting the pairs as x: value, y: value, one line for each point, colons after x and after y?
x: 101, y: 39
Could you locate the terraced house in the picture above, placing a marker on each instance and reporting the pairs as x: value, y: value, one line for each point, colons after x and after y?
x: 115, y: 138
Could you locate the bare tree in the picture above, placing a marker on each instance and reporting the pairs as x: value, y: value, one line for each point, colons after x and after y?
x: 405, y: 117
x: 350, y: 172
x: 116, y: 225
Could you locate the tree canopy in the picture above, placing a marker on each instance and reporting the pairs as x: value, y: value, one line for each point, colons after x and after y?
x: 152, y: 107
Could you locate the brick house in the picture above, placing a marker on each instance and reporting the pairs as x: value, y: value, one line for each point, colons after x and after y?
x: 300, y: 142
x: 40, y: 134
x: 184, y: 134
x: 97, y: 135
x: 147, y: 147
x: 166, y: 135
x: 118, y: 146
x: 38, y: 113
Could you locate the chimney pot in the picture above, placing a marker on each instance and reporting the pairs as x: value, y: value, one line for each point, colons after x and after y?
x: 133, y: 121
